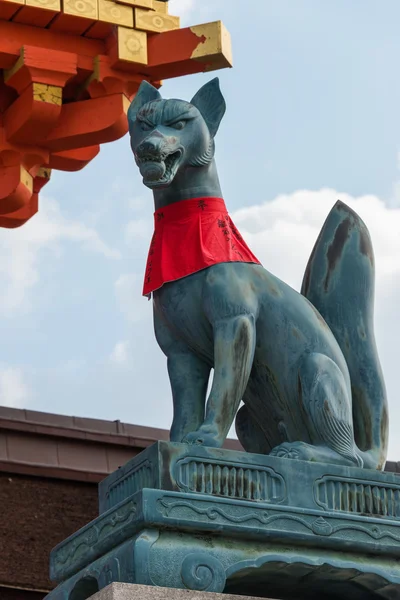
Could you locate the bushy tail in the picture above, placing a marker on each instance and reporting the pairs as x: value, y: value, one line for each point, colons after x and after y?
x: 339, y: 281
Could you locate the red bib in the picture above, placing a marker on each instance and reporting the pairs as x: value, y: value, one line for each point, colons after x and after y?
x: 189, y: 236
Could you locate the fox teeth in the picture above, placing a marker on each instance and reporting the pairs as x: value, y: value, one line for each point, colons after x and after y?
x: 150, y: 159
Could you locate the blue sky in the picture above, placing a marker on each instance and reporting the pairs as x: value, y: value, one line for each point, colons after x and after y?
x: 313, y: 115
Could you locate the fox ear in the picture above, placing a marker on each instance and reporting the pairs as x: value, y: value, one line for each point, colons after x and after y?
x: 146, y: 93
x: 211, y: 104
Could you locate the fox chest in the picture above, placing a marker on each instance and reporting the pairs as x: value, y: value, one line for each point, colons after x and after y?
x: 180, y: 305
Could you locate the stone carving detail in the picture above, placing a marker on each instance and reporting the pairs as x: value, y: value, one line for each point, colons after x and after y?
x: 321, y: 527
x: 203, y: 572
x: 110, y: 572
x: 270, y: 520
x: 79, y: 544
x: 243, y: 482
x: 358, y: 496
x: 212, y: 512
x: 191, y: 540
x: 134, y: 481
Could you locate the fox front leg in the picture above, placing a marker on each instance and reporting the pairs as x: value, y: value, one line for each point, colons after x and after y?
x: 234, y: 345
x: 188, y: 376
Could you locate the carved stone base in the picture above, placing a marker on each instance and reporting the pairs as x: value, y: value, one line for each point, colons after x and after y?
x: 212, y: 520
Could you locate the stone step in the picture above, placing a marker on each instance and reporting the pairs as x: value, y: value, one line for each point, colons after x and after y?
x: 127, y: 591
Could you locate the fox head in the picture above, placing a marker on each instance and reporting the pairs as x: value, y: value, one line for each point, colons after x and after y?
x: 170, y: 136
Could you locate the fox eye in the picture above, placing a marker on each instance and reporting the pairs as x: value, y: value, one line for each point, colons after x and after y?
x: 178, y: 125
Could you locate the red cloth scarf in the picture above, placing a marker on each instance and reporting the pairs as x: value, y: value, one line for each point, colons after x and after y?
x: 189, y: 236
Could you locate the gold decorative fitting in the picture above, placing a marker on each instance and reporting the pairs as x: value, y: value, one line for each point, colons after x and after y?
x: 52, y: 94
x: 126, y: 103
x: 161, y: 7
x: 45, y: 4
x: 139, y: 3
x: 155, y: 21
x: 26, y: 179
x: 216, y: 45
x: 132, y: 45
x: 44, y: 172
x: 19, y: 2
x: 81, y: 8
x: 117, y: 14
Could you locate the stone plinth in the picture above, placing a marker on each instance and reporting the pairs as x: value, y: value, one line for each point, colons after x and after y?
x: 126, y: 591
x: 210, y: 520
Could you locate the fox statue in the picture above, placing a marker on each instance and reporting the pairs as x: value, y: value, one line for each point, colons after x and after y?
x: 304, y: 364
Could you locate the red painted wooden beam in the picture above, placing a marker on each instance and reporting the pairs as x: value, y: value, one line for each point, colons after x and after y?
x: 73, y: 160
x: 89, y: 122
x: 14, y: 36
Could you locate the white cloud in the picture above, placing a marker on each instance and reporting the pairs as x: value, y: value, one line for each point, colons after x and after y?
x: 132, y: 304
x: 193, y: 12
x: 21, y: 250
x: 282, y: 234
x: 120, y: 353
x: 181, y: 8
x: 394, y: 200
x: 138, y: 230
x: 13, y: 391
x: 284, y: 231
x: 138, y: 203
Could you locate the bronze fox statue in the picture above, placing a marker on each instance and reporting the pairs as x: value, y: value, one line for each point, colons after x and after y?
x: 304, y: 364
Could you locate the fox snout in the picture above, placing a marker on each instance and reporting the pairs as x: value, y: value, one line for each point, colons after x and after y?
x: 158, y: 158
x: 155, y: 147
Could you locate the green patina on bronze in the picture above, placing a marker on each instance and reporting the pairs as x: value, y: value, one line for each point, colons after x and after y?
x: 304, y: 364
x: 199, y: 518
x: 188, y: 514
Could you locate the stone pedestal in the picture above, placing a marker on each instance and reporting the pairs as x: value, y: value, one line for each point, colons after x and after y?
x: 202, y: 519
x: 126, y: 591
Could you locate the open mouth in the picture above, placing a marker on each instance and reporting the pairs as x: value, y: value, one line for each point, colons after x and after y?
x: 159, y: 170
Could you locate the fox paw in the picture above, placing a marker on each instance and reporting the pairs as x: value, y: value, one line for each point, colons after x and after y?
x: 295, y: 451
x: 203, y: 437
